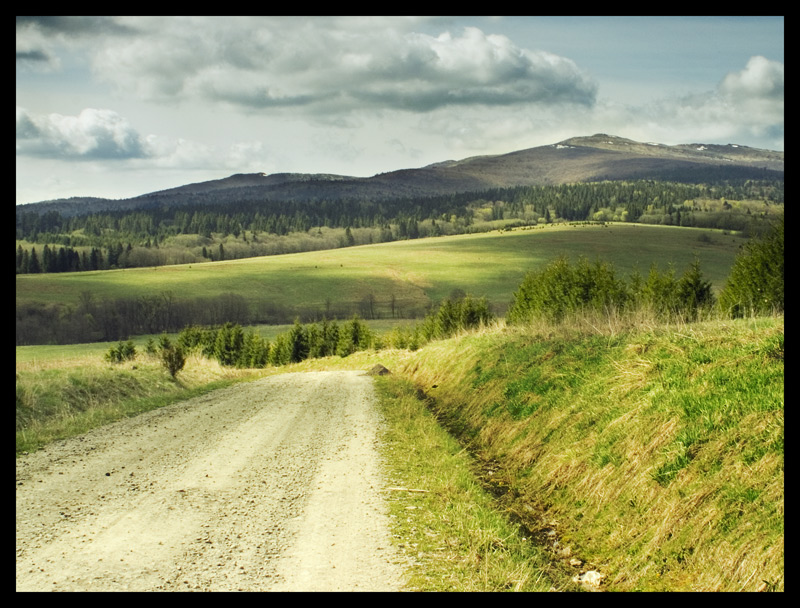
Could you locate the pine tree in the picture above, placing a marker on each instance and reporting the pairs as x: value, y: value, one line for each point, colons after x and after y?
x: 172, y: 356
x: 353, y: 337
x: 755, y: 285
x: 659, y: 291
x: 33, y: 263
x: 694, y: 292
x: 228, y: 344
x: 298, y: 343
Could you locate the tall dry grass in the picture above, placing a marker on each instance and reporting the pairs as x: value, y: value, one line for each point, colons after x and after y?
x: 58, y: 398
x: 655, y: 450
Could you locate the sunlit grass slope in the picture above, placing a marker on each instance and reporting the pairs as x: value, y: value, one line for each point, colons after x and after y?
x: 656, y: 454
x: 416, y: 272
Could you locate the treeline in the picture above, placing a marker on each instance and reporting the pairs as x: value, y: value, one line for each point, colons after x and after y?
x: 261, y: 227
x: 108, y: 319
x: 95, y: 319
x: 65, y: 259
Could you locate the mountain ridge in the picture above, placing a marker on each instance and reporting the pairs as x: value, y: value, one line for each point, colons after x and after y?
x: 596, y: 157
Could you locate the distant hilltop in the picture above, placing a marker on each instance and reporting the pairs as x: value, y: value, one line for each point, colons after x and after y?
x: 578, y: 159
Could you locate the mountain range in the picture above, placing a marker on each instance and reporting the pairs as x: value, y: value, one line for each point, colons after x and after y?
x: 580, y: 159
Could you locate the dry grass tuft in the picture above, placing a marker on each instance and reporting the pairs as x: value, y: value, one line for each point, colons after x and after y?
x: 658, y: 449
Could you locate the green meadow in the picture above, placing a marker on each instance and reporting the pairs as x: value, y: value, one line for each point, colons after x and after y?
x: 648, y: 451
x: 414, y: 273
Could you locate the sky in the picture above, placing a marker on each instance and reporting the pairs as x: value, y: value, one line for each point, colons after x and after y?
x: 115, y: 107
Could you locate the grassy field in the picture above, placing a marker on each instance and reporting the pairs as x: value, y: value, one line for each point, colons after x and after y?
x: 651, y: 453
x: 414, y: 272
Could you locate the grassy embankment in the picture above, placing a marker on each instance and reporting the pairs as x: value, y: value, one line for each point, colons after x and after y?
x: 653, y: 455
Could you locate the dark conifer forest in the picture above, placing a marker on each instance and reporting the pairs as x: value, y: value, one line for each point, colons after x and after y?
x: 199, y: 228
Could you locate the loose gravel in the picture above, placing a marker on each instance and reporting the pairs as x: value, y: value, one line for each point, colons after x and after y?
x: 272, y: 485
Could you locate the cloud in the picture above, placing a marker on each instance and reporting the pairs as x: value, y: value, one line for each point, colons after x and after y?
x: 34, y: 51
x: 97, y: 135
x: 35, y: 58
x: 38, y: 38
x: 760, y: 79
x: 93, y: 134
x: 320, y: 66
x: 70, y: 26
x: 746, y: 105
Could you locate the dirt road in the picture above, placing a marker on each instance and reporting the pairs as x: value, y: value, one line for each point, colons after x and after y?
x: 272, y: 485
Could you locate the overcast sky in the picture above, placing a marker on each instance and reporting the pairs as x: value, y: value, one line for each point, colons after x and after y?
x: 121, y: 106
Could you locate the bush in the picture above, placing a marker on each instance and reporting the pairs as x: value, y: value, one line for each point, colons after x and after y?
x: 561, y: 288
x: 124, y: 351
x: 172, y: 356
x: 354, y: 336
x: 755, y: 285
x: 455, y: 314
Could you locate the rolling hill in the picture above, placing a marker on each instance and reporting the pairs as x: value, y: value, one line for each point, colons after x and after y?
x: 579, y: 159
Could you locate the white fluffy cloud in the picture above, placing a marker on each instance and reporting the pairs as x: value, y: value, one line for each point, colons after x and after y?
x: 92, y: 134
x: 746, y: 104
x: 307, y: 64
x: 760, y: 79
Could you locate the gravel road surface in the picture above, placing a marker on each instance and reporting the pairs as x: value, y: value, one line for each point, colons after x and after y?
x: 273, y: 485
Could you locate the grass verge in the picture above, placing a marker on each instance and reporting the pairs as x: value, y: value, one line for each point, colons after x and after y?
x: 655, y: 454
x: 60, y: 400
x: 444, y: 521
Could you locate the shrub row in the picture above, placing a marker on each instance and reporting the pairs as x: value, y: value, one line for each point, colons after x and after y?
x: 232, y: 346
x: 754, y: 287
x: 562, y: 288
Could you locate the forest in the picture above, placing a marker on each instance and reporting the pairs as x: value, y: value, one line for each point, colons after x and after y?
x: 208, y: 231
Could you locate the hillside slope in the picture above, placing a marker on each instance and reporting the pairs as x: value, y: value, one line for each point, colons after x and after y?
x: 579, y: 159
x: 397, y: 280
x: 653, y: 456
